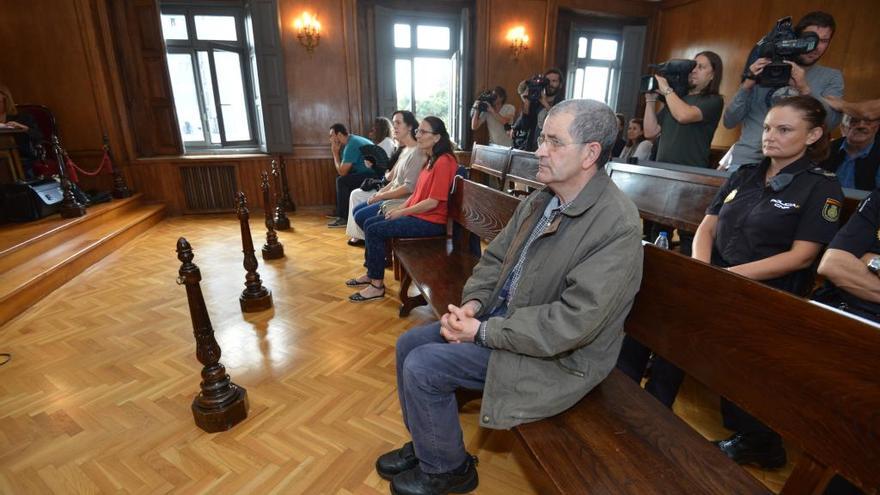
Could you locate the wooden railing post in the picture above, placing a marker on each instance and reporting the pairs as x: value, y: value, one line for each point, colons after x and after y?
x: 255, y: 297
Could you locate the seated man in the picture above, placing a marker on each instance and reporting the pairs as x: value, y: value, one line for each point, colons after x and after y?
x: 543, y: 313
x: 350, y: 166
x: 855, y: 156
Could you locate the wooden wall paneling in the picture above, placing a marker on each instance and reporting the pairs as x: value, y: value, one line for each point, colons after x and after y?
x: 349, y: 33
x: 620, y: 8
x: 551, y: 13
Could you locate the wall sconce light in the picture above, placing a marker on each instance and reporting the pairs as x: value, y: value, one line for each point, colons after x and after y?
x: 519, y: 41
x: 308, y: 31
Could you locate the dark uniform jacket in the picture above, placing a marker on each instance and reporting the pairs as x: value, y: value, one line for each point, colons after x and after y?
x: 860, y: 235
x: 756, y: 222
x: 865, y: 167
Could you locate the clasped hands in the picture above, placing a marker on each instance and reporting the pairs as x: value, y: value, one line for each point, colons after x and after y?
x: 459, y: 324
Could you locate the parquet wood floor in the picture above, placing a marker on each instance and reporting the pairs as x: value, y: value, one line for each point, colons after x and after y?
x: 97, y: 396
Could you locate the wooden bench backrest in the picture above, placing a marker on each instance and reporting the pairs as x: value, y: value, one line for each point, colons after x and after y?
x: 493, y: 159
x: 523, y: 169
x: 480, y: 209
x: 670, y: 197
x: 810, y: 373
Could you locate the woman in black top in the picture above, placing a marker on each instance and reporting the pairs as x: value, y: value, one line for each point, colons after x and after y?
x: 769, y: 222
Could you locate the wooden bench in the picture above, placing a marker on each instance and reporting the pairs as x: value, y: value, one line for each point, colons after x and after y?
x: 807, y: 371
x: 489, y: 165
x: 440, y: 267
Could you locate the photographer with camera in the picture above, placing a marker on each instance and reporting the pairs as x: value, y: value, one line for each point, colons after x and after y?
x: 761, y: 86
x: 492, y: 108
x: 539, y: 94
x: 691, y: 114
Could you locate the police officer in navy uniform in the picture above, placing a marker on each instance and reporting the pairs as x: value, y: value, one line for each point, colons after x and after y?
x: 852, y: 263
x: 769, y: 222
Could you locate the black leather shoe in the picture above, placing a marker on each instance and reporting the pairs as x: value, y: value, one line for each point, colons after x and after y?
x: 762, y: 449
x: 416, y: 482
x: 397, y: 461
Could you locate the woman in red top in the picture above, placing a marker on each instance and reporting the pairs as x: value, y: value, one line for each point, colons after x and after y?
x: 423, y: 214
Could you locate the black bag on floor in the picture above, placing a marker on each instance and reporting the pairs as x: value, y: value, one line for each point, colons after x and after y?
x: 31, y: 200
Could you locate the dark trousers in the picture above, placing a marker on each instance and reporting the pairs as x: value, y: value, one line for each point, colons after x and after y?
x: 345, y: 184
x: 665, y: 379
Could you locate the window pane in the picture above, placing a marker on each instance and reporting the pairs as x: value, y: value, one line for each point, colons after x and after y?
x: 582, y: 47
x: 174, y: 27
x: 603, y: 49
x: 433, y: 87
x: 208, y: 93
x: 402, y: 36
x: 403, y: 83
x: 230, y: 85
x: 186, y: 98
x: 215, y: 27
x: 595, y: 83
x: 579, y: 83
x: 433, y: 37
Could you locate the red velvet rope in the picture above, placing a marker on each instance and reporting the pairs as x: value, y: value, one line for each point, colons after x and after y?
x: 73, y: 167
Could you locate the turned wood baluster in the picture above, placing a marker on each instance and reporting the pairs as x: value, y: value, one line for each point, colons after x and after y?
x: 70, y: 207
x: 273, y: 249
x: 220, y: 404
x: 254, y: 297
x: 286, y: 200
x: 281, y: 220
x: 120, y: 188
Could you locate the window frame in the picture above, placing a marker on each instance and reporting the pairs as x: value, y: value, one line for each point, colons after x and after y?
x: 191, y: 46
x: 453, y: 54
x: 614, y: 66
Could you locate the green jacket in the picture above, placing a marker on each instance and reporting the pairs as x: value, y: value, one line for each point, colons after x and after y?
x: 564, y: 328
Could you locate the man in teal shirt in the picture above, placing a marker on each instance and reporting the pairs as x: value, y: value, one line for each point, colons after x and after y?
x: 350, y: 166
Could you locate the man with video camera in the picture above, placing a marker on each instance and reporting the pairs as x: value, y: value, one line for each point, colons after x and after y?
x: 691, y: 114
x: 492, y: 108
x: 539, y: 94
x: 755, y: 97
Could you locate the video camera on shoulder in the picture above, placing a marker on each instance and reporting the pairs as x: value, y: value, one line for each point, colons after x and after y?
x: 779, y: 45
x: 676, y: 72
x: 536, y: 85
x: 485, y: 99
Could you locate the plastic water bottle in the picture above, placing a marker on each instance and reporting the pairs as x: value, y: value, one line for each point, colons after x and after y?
x: 662, y: 241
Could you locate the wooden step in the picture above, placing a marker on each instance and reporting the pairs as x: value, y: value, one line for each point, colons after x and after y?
x: 56, y: 258
x: 22, y: 242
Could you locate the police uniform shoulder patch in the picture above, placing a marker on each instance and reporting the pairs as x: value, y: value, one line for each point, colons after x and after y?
x: 831, y: 210
x: 825, y: 173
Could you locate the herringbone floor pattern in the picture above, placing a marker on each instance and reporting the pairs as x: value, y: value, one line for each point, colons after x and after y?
x: 97, y: 396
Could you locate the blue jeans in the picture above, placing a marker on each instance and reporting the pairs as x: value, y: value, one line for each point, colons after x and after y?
x: 429, y: 370
x: 377, y: 230
x: 364, y: 211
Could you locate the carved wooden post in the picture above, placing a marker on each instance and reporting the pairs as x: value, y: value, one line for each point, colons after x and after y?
x: 281, y: 220
x: 286, y: 199
x: 221, y: 404
x: 254, y: 297
x: 70, y: 207
x: 273, y: 249
x: 120, y: 188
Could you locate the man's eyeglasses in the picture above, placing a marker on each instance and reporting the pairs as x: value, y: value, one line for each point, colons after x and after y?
x: 422, y: 131
x: 552, y: 142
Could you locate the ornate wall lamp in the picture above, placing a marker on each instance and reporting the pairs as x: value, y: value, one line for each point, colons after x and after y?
x: 519, y: 41
x: 308, y: 31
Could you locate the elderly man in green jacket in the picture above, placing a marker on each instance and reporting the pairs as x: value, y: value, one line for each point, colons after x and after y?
x: 543, y: 313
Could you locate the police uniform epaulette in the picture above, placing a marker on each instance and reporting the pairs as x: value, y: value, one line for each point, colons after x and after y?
x: 823, y: 172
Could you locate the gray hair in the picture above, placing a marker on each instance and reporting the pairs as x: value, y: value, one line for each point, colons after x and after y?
x: 594, y: 122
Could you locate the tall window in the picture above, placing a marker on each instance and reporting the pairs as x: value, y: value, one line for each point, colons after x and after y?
x: 596, y: 64
x: 426, y: 59
x: 210, y: 76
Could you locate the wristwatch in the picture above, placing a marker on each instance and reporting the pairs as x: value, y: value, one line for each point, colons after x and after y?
x: 874, y: 264
x: 667, y: 91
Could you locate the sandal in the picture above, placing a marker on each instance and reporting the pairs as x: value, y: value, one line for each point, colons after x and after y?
x: 353, y: 282
x: 357, y: 297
